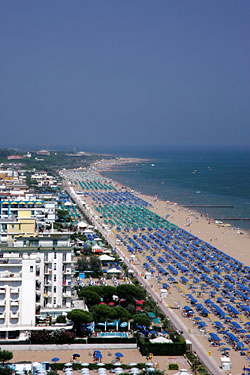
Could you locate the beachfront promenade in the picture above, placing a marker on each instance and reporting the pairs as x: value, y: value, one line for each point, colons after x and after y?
x: 201, y: 352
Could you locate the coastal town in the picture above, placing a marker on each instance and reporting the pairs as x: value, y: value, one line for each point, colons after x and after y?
x: 96, y: 277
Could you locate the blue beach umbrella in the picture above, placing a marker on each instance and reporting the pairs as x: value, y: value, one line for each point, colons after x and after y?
x: 55, y: 359
x: 119, y: 355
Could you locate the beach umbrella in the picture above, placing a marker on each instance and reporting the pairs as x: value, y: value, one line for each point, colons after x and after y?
x: 55, y: 359
x: 100, y: 364
x: 132, y: 364
x: 149, y: 364
x: 119, y: 355
x: 76, y: 355
x: 150, y: 369
x: 85, y: 364
x: 117, y: 364
x: 68, y: 364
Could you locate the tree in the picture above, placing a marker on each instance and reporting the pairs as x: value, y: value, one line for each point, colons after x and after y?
x: 40, y: 337
x: 61, y: 319
x: 141, y: 320
x: 79, y: 317
x: 95, y: 266
x: 90, y: 297
x: 6, y: 370
x: 82, y: 264
x: 121, y: 313
x: 107, y: 293
x: 126, y: 290
x: 61, y: 336
x: 5, y: 356
x: 101, y: 313
x: 131, y: 308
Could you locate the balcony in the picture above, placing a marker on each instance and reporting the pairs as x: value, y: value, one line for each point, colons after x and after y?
x: 67, y: 283
x: 14, y: 290
x: 67, y: 261
x: 2, y: 291
x: 48, y: 272
x: 47, y: 282
x: 14, y: 315
x: 2, y: 315
x: 14, y: 276
x: 47, y: 295
x: 67, y: 295
x: 14, y: 303
x: 68, y: 271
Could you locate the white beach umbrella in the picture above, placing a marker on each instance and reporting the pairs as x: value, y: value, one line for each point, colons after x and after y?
x: 100, y: 364
x: 85, y: 364
x: 150, y: 369
x: 132, y: 364
x: 68, y: 364
x: 135, y: 370
x: 149, y: 364
x: 118, y: 370
x: 117, y: 364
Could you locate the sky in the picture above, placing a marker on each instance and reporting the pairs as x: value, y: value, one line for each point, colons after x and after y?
x: 104, y: 73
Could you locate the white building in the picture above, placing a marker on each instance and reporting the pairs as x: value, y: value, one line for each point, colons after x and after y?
x: 42, y: 211
x: 34, y: 281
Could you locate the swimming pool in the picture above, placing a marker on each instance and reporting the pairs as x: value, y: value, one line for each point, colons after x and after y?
x: 113, y: 334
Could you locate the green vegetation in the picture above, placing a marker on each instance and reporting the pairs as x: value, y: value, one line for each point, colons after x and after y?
x: 79, y: 317
x: 5, y: 370
x: 101, y: 313
x: 61, y: 319
x: 173, y: 366
x: 196, y: 365
x: 5, y: 356
x: 59, y: 336
x: 178, y: 347
x: 90, y: 297
x: 141, y: 320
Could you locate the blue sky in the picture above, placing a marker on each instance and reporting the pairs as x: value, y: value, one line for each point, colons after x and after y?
x: 134, y: 72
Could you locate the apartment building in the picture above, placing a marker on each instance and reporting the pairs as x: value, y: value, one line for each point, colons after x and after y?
x: 12, y: 227
x: 42, y: 211
x: 35, y: 280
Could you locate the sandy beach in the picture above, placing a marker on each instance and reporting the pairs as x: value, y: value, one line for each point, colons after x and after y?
x: 226, y: 239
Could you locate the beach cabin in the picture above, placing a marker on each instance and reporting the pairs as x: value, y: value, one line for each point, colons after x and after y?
x: 164, y: 293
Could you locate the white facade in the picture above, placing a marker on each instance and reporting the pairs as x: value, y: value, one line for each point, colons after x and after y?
x: 31, y: 281
x: 41, y: 211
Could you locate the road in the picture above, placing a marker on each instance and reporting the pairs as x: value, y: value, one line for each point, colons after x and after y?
x: 202, y: 354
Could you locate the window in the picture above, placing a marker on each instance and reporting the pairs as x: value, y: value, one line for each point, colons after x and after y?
x: 54, y: 277
x: 54, y: 300
x: 31, y: 268
x: 54, y: 253
x: 13, y: 226
x: 54, y: 243
x: 54, y: 289
x: 55, y: 266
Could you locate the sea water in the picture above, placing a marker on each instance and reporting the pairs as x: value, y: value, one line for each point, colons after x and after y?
x: 193, y: 177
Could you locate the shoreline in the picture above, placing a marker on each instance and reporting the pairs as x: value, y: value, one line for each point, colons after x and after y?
x: 225, y: 238
x: 128, y: 160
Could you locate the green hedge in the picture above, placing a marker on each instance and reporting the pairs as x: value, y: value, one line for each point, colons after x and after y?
x: 92, y: 366
x: 175, y: 348
x: 173, y: 366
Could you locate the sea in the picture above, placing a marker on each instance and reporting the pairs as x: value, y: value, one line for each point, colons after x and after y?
x: 195, y: 177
